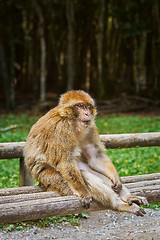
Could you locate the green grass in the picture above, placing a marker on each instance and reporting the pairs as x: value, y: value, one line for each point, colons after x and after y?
x: 127, y: 124
x: 136, y: 161
x: 131, y: 161
x: 23, y: 122
x: 9, y: 169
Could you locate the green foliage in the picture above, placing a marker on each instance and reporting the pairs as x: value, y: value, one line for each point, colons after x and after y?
x: 132, y: 161
x: 127, y: 124
x: 136, y: 161
x: 9, y: 169
x: 23, y: 122
x: 74, y: 220
x: 9, y: 173
x: 9, y: 228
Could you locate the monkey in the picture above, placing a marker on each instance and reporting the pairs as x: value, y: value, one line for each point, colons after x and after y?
x: 64, y: 153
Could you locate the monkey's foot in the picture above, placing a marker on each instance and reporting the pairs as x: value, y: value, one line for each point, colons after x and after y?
x: 85, y: 200
x: 140, y: 212
x: 138, y: 200
x: 137, y: 210
x: 134, y: 208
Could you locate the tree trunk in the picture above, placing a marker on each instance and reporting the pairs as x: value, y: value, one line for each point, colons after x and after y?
x: 8, y: 73
x: 43, y: 52
x: 29, y: 75
x: 88, y: 69
x: 71, y: 44
x: 100, y: 47
x: 12, y: 75
x: 4, y: 75
x: 155, y: 53
x: 141, y: 64
x: 57, y: 59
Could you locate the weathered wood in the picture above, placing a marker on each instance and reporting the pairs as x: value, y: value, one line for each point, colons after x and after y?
x: 139, y: 187
x: 131, y: 140
x: 138, y: 178
x: 11, y: 150
x: 152, y: 193
x: 25, y: 178
x: 19, y: 190
x: 27, y: 197
x: 36, y: 209
x: 15, y: 149
x: 24, y: 203
x: 36, y: 189
x: 143, y: 184
x: 8, y: 128
x: 53, y: 206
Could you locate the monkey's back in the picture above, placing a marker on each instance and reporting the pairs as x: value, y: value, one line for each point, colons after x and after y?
x: 48, y: 140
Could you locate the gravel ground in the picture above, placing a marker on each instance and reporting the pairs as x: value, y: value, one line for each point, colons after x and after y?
x: 101, y: 225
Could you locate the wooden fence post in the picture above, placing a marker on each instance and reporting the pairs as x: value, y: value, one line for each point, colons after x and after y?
x: 25, y: 178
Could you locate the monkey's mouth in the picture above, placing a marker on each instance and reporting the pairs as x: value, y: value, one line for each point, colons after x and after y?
x: 86, y: 122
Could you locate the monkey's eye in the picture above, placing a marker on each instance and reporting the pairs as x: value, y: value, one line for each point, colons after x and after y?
x: 80, y: 105
x: 84, y: 106
x: 89, y: 105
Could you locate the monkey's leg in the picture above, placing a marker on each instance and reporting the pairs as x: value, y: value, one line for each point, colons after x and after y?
x: 124, y: 194
x: 107, y: 197
x: 52, y: 180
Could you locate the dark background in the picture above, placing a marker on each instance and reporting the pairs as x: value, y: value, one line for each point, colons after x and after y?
x: 110, y: 49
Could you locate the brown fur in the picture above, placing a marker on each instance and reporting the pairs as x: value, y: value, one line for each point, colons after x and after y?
x: 64, y: 153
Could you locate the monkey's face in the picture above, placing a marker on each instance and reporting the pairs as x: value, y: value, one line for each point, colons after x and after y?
x: 84, y: 113
x: 77, y: 106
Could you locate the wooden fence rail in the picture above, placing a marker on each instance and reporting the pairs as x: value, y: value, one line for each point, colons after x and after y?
x: 15, y: 149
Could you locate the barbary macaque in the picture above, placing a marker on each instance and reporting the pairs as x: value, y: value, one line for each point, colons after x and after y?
x: 65, y: 154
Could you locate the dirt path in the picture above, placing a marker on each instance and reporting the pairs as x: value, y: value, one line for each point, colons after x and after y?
x: 102, y: 225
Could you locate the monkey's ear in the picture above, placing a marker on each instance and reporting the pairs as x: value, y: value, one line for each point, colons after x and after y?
x: 94, y: 112
x: 65, y: 112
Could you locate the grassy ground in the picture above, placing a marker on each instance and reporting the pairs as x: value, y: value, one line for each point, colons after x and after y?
x: 9, y: 169
x: 132, y: 161
x: 127, y: 161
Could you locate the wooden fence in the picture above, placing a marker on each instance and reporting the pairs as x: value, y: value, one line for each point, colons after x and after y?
x: 30, y: 202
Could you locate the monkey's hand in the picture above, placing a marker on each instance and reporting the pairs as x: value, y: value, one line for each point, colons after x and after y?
x: 117, y: 185
x: 85, y: 199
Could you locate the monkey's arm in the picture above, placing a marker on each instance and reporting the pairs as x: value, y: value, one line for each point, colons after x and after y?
x: 105, y: 166
x: 99, y: 162
x: 71, y: 173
